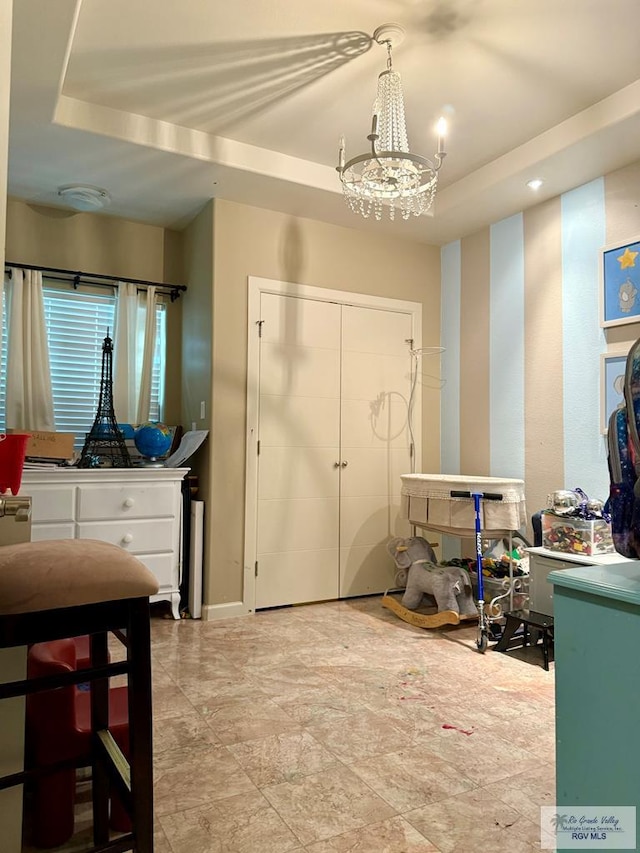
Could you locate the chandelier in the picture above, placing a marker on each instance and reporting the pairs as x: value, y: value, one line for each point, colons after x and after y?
x: 390, y: 175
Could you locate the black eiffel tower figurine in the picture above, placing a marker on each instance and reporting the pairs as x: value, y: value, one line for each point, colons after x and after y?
x: 104, y: 446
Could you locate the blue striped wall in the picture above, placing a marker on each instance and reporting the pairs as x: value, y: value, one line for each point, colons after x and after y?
x: 506, y: 348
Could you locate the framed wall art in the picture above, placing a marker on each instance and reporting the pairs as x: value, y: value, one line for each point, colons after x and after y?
x: 620, y: 283
x: 612, y: 367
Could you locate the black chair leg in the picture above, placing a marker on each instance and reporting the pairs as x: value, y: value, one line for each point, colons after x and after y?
x: 99, y: 721
x: 140, y: 724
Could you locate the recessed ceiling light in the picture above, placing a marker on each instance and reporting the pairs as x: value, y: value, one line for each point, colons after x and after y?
x: 535, y: 184
x: 83, y: 197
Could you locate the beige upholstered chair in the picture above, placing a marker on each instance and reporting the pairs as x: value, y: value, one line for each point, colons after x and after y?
x: 67, y: 588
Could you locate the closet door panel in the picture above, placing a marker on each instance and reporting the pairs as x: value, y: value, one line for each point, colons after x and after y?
x: 287, y: 421
x: 299, y: 433
x: 379, y: 423
x: 375, y: 441
x: 373, y: 471
x: 297, y: 525
x: 290, y: 321
x: 297, y: 575
x: 366, y: 570
x: 297, y: 472
x: 299, y: 371
x: 366, y: 375
x: 370, y: 520
x: 366, y: 525
x: 369, y: 330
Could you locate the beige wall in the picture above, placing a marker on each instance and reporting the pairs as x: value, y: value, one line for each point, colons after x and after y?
x: 543, y: 313
x: 255, y: 242
x: 90, y: 242
x: 474, y: 353
x: 197, y: 317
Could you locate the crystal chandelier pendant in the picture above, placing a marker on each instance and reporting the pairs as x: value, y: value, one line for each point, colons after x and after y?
x: 390, y: 176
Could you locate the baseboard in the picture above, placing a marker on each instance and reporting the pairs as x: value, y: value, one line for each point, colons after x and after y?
x: 212, y: 612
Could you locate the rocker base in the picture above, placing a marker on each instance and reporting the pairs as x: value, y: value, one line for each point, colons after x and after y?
x: 423, y: 620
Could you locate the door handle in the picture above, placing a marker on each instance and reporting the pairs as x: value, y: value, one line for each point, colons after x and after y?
x: 344, y: 464
x: 336, y: 464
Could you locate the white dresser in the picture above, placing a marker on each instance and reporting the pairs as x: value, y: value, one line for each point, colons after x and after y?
x: 139, y: 509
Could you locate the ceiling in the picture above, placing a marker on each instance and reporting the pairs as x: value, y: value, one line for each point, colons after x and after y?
x: 168, y: 103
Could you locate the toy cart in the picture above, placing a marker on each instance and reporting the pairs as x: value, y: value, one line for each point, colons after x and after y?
x: 470, y: 507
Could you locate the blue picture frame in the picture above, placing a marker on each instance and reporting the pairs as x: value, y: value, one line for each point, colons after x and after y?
x: 620, y: 284
x: 612, y: 369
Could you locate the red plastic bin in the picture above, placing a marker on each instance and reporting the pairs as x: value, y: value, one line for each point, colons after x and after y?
x: 13, y: 447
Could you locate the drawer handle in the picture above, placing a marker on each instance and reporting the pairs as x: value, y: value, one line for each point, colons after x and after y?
x: 129, y: 502
x: 127, y: 538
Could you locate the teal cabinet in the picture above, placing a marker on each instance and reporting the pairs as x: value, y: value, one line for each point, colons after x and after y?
x: 597, y: 672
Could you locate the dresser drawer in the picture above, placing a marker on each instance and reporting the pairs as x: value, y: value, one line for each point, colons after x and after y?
x: 52, y: 504
x: 164, y: 567
x: 136, y: 536
x: 137, y: 500
x: 42, y: 532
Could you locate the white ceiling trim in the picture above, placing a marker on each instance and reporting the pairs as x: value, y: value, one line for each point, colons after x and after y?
x: 73, y: 25
x: 188, y: 142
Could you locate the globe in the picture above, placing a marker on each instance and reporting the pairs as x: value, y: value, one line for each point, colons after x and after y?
x: 152, y: 439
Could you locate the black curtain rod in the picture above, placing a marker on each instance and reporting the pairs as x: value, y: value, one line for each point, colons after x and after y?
x: 75, y: 277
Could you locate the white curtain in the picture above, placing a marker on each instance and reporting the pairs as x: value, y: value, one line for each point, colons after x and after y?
x: 134, y: 345
x: 124, y: 354
x: 29, y: 396
x: 148, y: 347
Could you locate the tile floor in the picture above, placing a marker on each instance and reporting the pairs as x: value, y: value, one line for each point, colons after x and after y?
x: 337, y: 728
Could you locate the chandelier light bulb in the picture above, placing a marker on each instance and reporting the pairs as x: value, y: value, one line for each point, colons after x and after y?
x: 389, y: 175
x: 441, y: 130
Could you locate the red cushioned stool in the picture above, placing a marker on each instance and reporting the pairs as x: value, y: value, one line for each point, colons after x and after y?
x: 69, y: 588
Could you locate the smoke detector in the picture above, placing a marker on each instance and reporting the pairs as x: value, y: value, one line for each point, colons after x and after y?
x: 83, y: 197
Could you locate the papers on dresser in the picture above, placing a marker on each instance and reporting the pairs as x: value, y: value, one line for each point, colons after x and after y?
x: 189, y: 443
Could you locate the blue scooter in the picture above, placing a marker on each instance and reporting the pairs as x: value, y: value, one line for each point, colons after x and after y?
x: 482, y: 641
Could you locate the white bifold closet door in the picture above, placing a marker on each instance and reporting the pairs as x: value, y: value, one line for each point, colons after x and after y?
x: 334, y: 388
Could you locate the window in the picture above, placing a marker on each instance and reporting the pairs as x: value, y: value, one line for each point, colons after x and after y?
x: 77, y: 324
